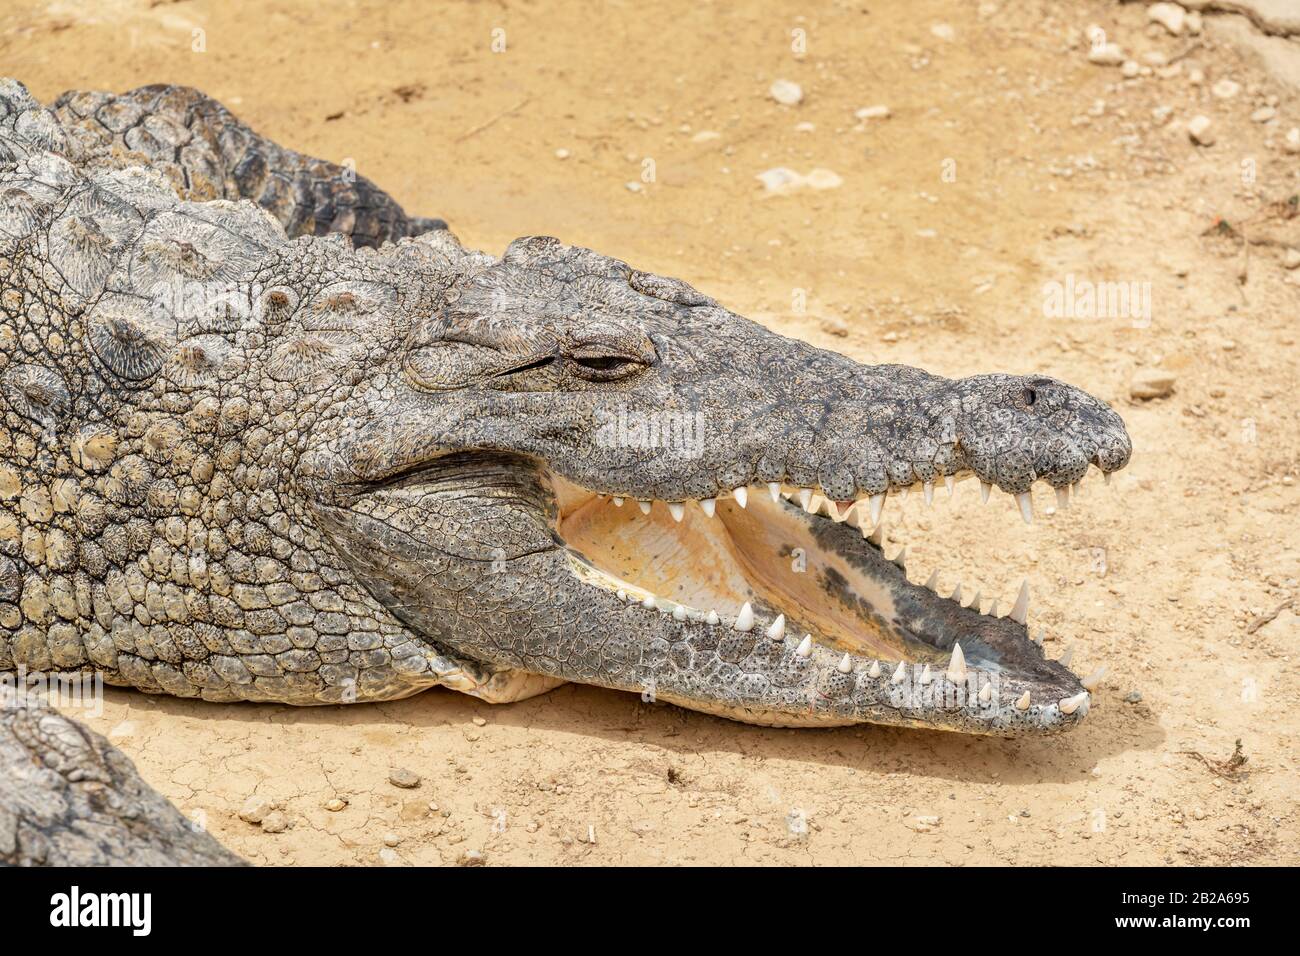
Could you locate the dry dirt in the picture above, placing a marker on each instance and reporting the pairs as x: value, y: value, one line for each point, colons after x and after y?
x: 1060, y: 168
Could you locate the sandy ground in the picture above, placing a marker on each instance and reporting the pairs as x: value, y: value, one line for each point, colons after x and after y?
x: 1008, y: 162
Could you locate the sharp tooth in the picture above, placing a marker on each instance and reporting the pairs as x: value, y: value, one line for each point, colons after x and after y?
x: 950, y: 483
x: 845, y: 666
x: 1071, y: 704
x: 875, y: 669
x: 814, y: 504
x: 957, y: 666
x: 712, y: 618
x: 708, y: 505
x: 679, y: 613
x: 648, y: 601
x: 975, y: 602
x: 900, y: 674
x: 805, y: 496
x: 993, y: 609
x: 1023, y: 702
x: 1020, y: 613
x: 618, y: 502
x: 776, y: 630
x: 745, y: 619
x: 1093, y: 680
x: 932, y: 582
x: 1040, y: 637
x: 986, y: 693
x: 926, y: 676
x: 877, y: 535
x: 1063, y: 497
x: 833, y: 510
x: 1065, y: 658
x: 1076, y: 488
x: 1026, y: 504
x: 985, y: 489
x: 622, y: 595
x: 1105, y: 476
x: 902, y: 492
x: 927, y: 490
x: 805, y: 647
x: 741, y: 495
x: 956, y: 593
x: 900, y: 559
x: 774, y: 487
x: 677, y: 510
x: 644, y: 506
x: 875, y: 505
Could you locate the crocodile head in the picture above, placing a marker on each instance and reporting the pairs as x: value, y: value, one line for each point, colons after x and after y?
x: 239, y: 466
x: 712, y: 494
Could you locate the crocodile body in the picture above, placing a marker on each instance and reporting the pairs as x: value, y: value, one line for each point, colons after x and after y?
x: 241, y: 460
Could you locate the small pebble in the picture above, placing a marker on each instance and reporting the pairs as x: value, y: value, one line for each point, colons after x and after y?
x: 879, y: 111
x: 1200, y: 131
x: 1226, y: 89
x: 1130, y: 69
x: 1133, y: 697
x: 1108, y: 54
x: 335, y: 805
x: 480, y: 722
x: 1263, y: 114
x: 1169, y: 15
x: 786, y: 92
x: 255, y: 809
x: 401, y: 777
x: 561, y: 153
x: 1148, y: 383
x: 275, y: 822
x: 1291, y: 259
x: 1292, y: 142
x: 391, y: 839
x: 471, y: 858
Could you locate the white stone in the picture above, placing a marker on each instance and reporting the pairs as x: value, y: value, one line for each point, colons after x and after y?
x: 1130, y: 69
x: 781, y: 180
x: 1291, y: 259
x: 705, y: 136
x: 873, y: 112
x: 786, y: 92
x: 1263, y: 114
x: 943, y: 31
x: 1226, y: 89
x: 1108, y: 54
x: 1169, y: 15
x: 1200, y: 130
x: 1148, y: 383
x: 1292, y: 142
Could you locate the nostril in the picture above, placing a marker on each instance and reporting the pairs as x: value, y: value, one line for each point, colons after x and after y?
x: 1031, y: 396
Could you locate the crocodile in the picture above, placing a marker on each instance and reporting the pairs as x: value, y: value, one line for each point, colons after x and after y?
x: 267, y: 438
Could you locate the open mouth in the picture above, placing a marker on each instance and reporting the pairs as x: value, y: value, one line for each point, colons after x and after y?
x: 785, y: 565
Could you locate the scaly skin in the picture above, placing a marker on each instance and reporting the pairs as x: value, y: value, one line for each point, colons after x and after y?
x: 206, y: 153
x: 368, y: 472
x: 69, y: 798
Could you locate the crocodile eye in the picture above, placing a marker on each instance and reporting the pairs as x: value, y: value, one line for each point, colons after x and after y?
x: 601, y: 364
